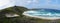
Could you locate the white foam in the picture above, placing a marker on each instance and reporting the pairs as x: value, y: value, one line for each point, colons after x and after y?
x: 41, y: 17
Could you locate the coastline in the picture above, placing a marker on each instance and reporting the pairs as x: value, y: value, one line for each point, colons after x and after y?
x: 40, y: 17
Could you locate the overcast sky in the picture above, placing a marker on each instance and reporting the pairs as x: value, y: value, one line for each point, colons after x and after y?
x: 53, y: 4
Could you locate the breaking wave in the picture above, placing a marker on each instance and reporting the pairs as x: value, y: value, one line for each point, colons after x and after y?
x: 51, y: 13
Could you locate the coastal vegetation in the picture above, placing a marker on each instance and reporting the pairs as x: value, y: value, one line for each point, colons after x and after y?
x: 21, y: 18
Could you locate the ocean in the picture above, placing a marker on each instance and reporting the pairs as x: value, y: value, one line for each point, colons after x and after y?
x: 45, y: 12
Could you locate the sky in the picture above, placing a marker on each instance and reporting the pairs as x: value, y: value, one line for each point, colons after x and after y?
x: 6, y: 3
x: 52, y: 4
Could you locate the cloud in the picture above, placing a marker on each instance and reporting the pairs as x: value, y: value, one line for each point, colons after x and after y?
x: 5, y: 4
x: 29, y: 3
x: 25, y: 2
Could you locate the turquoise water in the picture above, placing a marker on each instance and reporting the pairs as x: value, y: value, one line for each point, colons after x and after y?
x: 45, y: 12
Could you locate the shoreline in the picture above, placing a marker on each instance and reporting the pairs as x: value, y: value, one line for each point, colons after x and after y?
x: 40, y: 17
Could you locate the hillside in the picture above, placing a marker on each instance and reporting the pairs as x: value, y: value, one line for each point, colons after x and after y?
x: 20, y: 19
